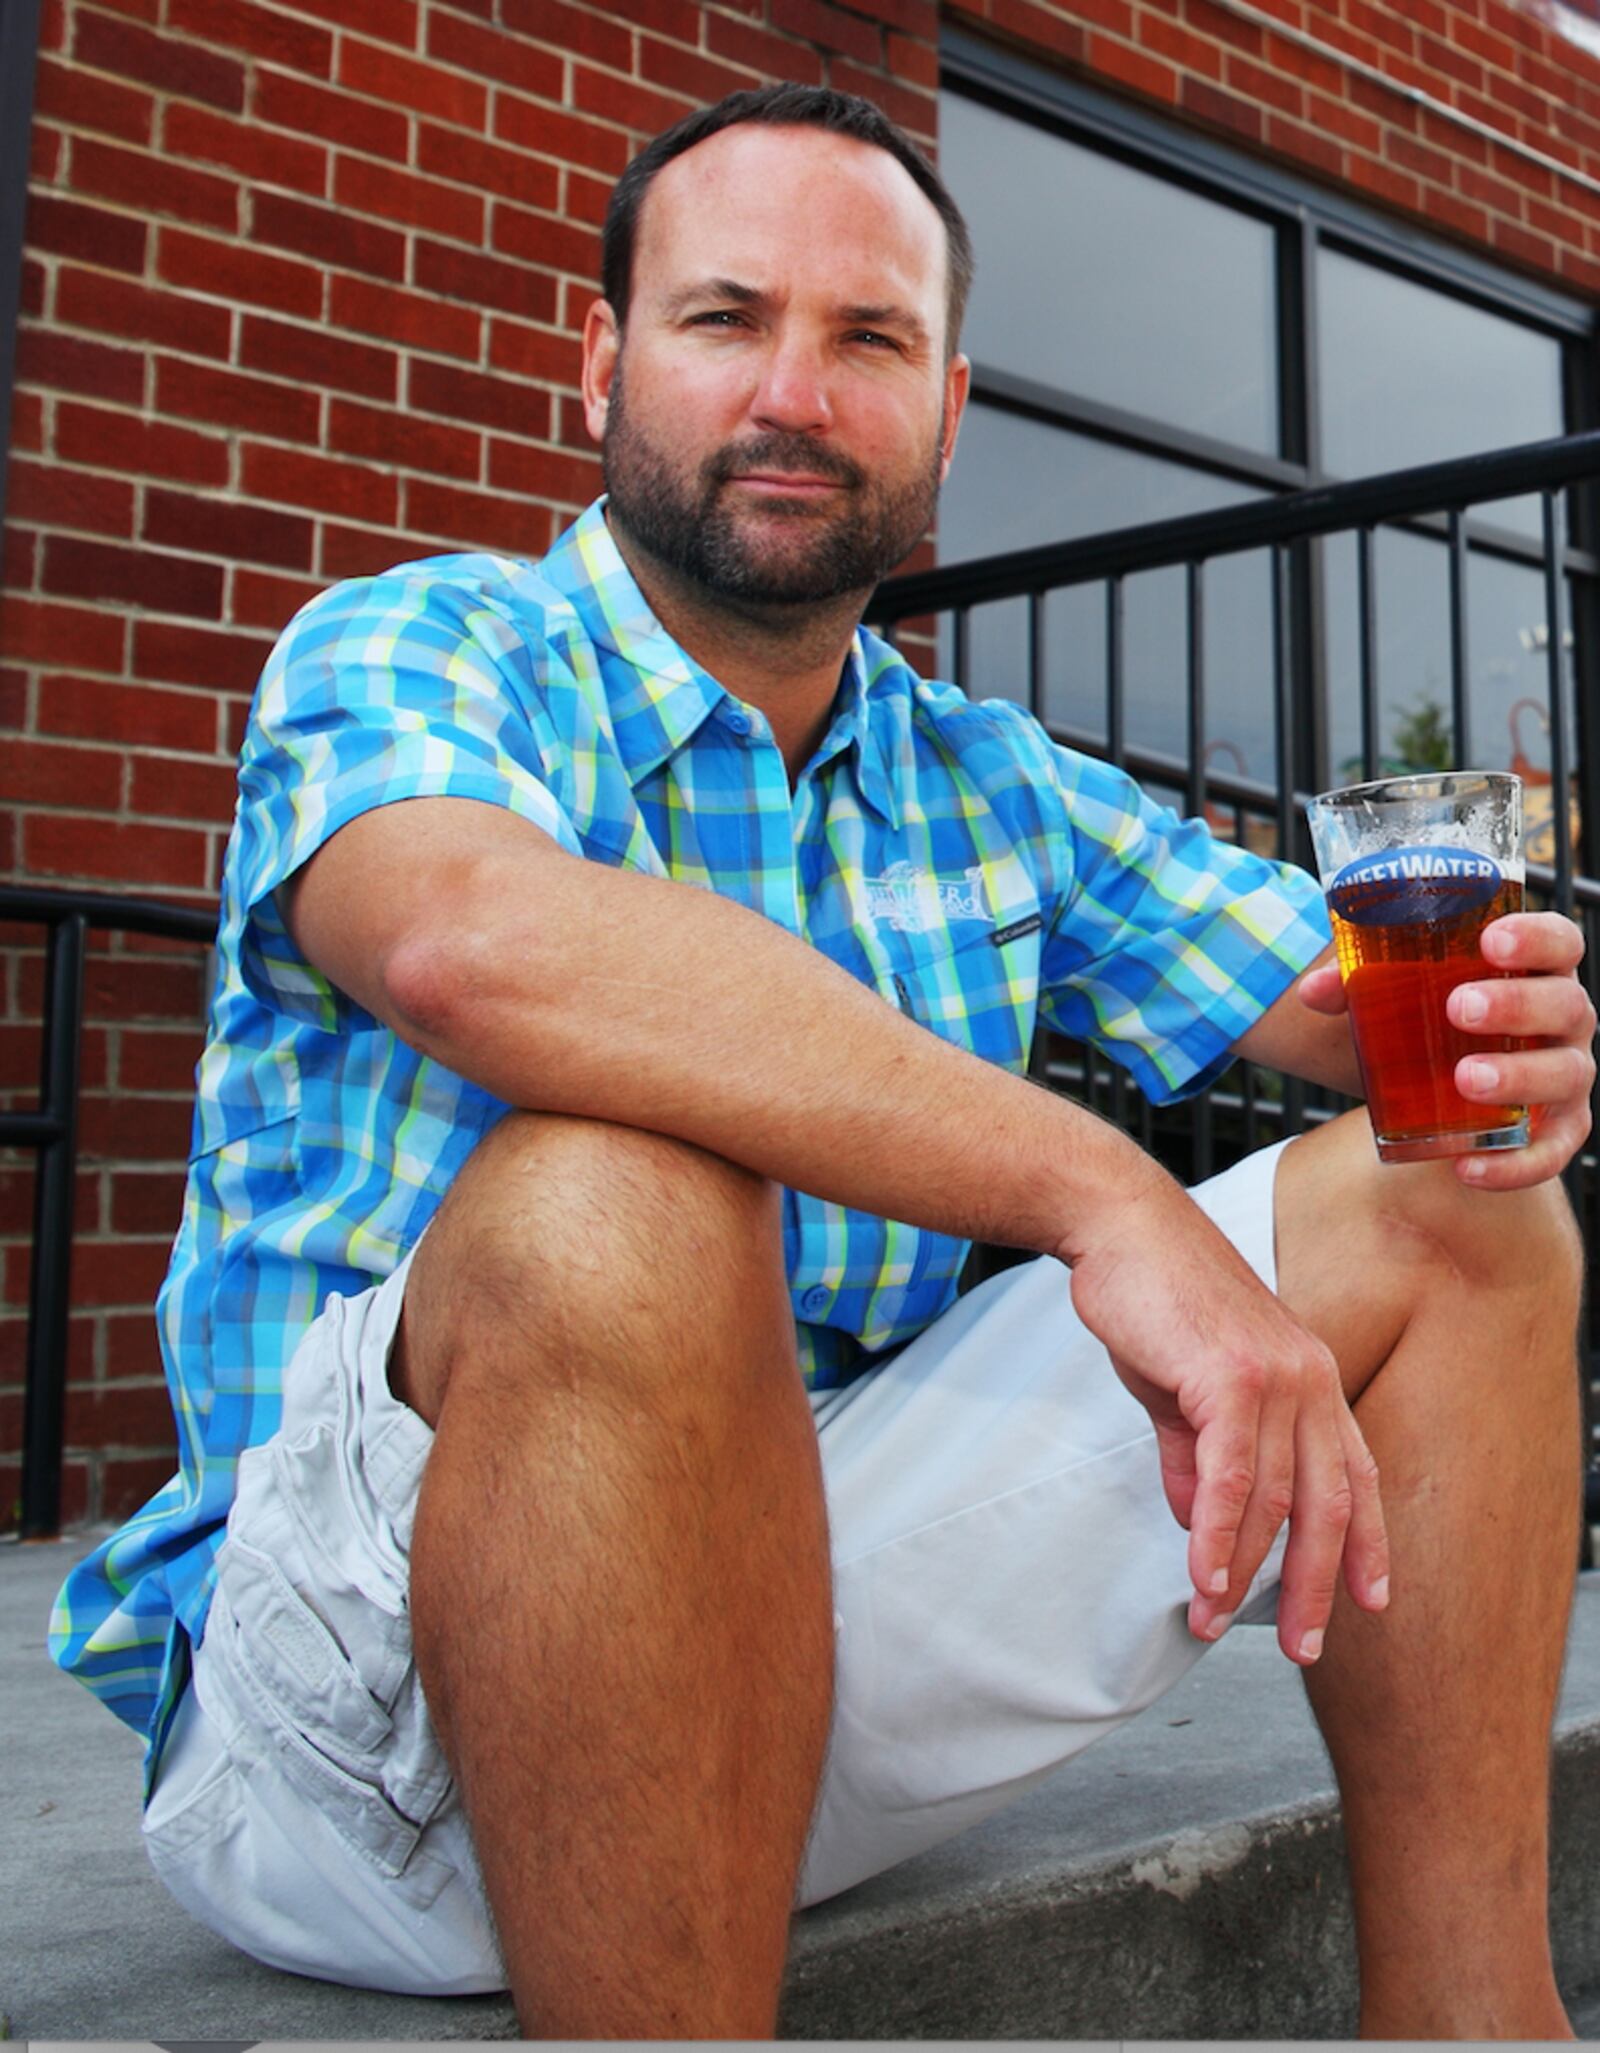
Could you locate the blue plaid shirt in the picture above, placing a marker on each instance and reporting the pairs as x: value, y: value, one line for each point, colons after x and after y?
x: 946, y: 853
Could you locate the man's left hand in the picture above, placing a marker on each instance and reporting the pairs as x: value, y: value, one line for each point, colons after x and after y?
x: 1537, y: 998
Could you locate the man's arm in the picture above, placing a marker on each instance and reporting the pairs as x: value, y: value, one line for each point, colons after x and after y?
x: 566, y: 986
x: 1313, y: 1045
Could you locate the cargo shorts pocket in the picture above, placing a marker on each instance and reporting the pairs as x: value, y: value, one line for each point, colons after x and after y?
x: 301, y: 1709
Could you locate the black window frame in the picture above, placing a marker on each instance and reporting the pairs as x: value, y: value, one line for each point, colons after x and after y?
x: 19, y: 57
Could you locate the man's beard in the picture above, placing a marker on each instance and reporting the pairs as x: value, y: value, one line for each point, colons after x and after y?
x: 805, y: 556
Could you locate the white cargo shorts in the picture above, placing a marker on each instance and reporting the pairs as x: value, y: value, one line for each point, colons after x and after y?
x: 1009, y: 1586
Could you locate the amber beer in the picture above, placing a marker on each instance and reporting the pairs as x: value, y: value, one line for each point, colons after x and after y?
x: 1414, y: 869
x: 1397, y: 979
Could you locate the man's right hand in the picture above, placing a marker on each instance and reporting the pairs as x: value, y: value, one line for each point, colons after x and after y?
x: 1249, y: 1414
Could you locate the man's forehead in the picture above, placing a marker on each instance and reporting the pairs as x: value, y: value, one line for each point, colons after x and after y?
x: 755, y: 191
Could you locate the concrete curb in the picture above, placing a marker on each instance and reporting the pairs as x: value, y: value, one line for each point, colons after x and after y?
x: 1183, y: 1880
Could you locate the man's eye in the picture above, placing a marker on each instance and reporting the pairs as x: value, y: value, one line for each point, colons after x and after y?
x: 872, y: 335
x: 717, y: 317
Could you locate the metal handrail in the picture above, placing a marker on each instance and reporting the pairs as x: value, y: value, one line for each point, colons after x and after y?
x: 1258, y: 524
x: 51, y: 1132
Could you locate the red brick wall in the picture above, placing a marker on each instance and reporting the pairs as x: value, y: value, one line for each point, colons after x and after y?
x: 302, y: 293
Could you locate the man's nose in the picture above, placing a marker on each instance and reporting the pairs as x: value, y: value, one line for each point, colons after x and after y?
x: 793, y: 392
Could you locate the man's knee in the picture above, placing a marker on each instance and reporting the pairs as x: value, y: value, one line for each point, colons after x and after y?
x: 1364, y: 1248
x: 600, y: 1233
x: 1524, y: 1240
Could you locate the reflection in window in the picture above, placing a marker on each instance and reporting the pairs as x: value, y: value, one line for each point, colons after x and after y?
x: 1017, y: 483
x: 1410, y: 375
x: 1104, y: 281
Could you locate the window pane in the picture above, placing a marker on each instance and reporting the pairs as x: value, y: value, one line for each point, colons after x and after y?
x: 1017, y: 483
x: 1410, y: 375
x: 1108, y: 283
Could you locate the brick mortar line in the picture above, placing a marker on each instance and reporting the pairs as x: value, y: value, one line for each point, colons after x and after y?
x: 1259, y: 18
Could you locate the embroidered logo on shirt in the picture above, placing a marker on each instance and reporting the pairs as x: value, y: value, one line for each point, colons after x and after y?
x: 914, y: 901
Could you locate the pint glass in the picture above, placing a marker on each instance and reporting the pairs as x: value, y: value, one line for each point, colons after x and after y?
x: 1414, y: 869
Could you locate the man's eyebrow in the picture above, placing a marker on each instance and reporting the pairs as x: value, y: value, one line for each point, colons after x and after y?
x: 717, y: 289
x: 887, y: 315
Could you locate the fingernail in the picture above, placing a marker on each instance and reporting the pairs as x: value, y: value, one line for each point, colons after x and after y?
x: 1219, y: 1625
x: 1378, y: 1592
x: 1473, y: 1170
x: 1472, y: 1007
x: 1218, y: 1582
x: 1481, y: 1075
x: 1499, y: 944
x: 1311, y: 1646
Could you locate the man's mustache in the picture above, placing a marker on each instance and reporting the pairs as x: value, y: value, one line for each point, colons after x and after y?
x: 776, y: 454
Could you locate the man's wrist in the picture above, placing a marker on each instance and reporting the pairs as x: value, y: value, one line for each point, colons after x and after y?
x: 1111, y: 1182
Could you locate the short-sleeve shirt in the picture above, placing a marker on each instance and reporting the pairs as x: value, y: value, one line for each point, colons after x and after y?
x: 944, y: 852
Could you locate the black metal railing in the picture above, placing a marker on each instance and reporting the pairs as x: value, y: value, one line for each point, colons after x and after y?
x: 50, y: 1131
x: 1437, y: 501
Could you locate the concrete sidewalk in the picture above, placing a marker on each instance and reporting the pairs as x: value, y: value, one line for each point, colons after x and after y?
x: 1182, y: 1880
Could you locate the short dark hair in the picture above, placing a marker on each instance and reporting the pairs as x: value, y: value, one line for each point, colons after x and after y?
x: 780, y: 106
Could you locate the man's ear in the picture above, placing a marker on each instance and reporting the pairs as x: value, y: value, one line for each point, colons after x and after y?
x: 957, y: 384
x: 602, y: 346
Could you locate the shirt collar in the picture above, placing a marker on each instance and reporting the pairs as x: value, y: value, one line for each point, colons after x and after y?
x: 660, y: 696
x: 870, y: 665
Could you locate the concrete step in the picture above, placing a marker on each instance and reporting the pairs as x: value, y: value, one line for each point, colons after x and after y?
x: 1183, y: 1880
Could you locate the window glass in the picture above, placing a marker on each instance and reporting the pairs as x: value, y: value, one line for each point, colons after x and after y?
x: 1017, y: 483
x: 1106, y: 282
x: 1409, y: 375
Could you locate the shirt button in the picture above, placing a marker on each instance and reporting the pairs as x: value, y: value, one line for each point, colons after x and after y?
x: 816, y: 1301
x: 737, y: 722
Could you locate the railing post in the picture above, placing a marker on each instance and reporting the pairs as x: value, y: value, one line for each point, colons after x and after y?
x: 1460, y: 665
x: 1560, y: 779
x: 1284, y: 697
x: 54, y: 1196
x: 1115, y: 628
x: 1366, y: 605
x: 1036, y: 655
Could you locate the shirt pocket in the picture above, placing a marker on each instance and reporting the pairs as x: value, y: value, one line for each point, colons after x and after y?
x: 979, y: 989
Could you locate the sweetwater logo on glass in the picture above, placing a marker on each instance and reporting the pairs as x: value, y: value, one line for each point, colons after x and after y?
x: 1404, y: 887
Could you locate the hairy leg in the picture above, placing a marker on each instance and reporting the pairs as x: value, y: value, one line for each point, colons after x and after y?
x: 620, y: 1582
x: 1452, y: 1315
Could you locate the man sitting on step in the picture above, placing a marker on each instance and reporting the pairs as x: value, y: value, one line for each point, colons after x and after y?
x: 601, y: 1526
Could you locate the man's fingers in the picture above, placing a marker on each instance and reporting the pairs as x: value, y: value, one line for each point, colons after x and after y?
x: 1322, y: 989
x: 1314, y: 1557
x: 1272, y: 1497
x: 1553, y: 1008
x: 1533, y: 1076
x: 1533, y: 941
x: 1178, y: 1478
x: 1225, y: 1460
x: 1366, y: 1547
x: 1557, y: 1138
x: 1337, y: 1532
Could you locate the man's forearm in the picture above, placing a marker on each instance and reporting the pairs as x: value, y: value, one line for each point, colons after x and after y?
x: 566, y: 986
